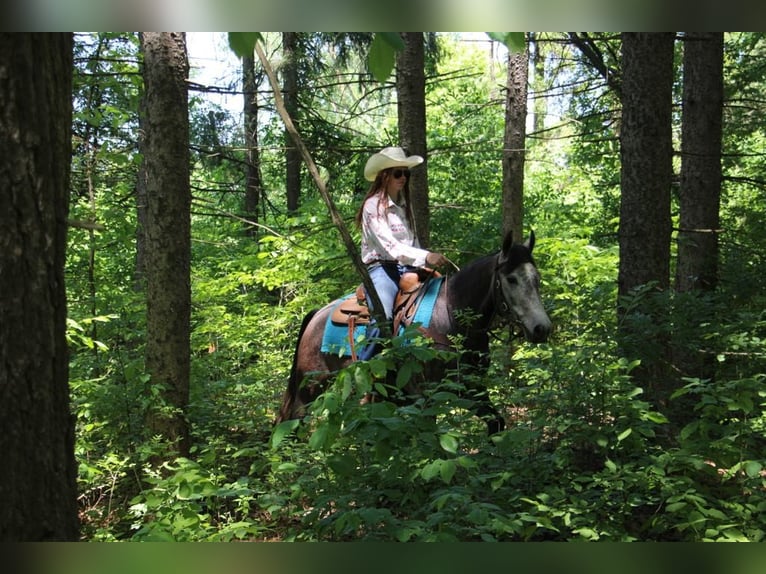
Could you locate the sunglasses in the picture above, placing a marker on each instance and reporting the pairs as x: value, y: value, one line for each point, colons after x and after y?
x: 397, y: 173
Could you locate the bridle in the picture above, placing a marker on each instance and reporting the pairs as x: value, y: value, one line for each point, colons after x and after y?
x: 502, y: 311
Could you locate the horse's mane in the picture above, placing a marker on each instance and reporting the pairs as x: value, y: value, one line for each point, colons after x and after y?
x: 477, y: 269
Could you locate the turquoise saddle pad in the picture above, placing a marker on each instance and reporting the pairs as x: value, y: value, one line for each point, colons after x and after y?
x: 335, y: 338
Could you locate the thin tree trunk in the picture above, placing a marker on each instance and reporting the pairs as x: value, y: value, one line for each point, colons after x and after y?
x: 348, y: 241
x: 38, y: 485
x: 91, y: 158
x: 139, y: 273
x: 290, y: 90
x: 538, y: 83
x: 701, y: 135
x: 411, y: 102
x: 699, y: 204
x: 514, y: 145
x: 254, y: 185
x: 168, y: 238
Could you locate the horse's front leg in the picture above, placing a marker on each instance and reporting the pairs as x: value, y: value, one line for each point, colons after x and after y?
x: 486, y: 411
x: 476, y: 366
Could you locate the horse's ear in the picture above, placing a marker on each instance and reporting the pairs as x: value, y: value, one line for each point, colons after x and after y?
x: 530, y: 242
x: 508, y: 242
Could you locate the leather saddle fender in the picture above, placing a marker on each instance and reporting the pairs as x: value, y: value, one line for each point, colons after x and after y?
x: 354, y: 308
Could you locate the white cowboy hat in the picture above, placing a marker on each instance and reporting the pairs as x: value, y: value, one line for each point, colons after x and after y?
x: 389, y: 157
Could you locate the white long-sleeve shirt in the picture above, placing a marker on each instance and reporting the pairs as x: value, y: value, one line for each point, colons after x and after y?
x: 386, y: 234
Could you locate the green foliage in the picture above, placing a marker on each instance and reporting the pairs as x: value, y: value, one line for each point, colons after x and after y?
x: 586, y: 455
x: 382, y: 54
x: 192, y: 504
x: 513, y: 40
x: 381, y: 57
x: 243, y: 43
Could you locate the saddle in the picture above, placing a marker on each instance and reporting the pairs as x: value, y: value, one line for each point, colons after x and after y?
x: 354, y: 311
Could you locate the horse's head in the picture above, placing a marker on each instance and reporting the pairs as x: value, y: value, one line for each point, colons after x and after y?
x: 517, y: 289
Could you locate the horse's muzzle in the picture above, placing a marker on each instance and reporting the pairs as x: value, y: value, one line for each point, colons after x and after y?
x: 539, y: 332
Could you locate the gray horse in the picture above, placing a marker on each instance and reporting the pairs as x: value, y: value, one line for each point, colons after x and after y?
x: 504, y: 286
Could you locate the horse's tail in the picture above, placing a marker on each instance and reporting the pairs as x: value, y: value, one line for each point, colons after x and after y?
x: 291, y: 392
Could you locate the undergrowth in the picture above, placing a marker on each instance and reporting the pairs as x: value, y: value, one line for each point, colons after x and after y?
x: 585, y: 456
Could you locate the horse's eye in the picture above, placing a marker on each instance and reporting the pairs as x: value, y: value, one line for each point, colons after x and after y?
x: 513, y: 280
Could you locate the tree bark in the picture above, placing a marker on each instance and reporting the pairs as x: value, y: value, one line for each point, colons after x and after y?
x: 646, y: 154
x: 139, y: 276
x: 290, y: 90
x: 411, y: 107
x: 38, y: 476
x: 168, y: 235
x: 701, y: 134
x: 645, y: 223
x: 253, y: 180
x: 514, y: 144
x: 699, y: 204
x: 539, y: 108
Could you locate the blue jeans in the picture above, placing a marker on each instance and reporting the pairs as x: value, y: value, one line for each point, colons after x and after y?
x: 385, y: 277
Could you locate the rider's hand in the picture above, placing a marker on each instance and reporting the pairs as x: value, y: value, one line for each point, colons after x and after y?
x: 436, y: 259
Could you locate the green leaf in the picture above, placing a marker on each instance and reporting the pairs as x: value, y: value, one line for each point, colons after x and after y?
x: 319, y: 436
x: 466, y: 462
x: 675, y: 506
x: 654, y: 417
x: 514, y: 41
x: 587, y: 533
x: 393, y: 39
x: 346, y: 389
x: 378, y: 369
x: 430, y: 470
x: 380, y: 59
x: 753, y: 468
x: 342, y: 464
x: 624, y: 434
x: 448, y: 443
x: 282, y: 430
x: 243, y: 43
x: 447, y: 470
x: 403, y: 375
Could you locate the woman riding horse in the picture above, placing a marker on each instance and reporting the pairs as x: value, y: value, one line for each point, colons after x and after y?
x: 389, y: 244
x: 494, y: 289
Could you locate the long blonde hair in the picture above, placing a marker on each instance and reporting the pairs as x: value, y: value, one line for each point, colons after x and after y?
x: 379, y: 187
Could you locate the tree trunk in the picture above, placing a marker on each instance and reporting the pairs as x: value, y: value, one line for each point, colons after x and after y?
x: 539, y: 108
x: 290, y: 91
x: 645, y: 224
x: 168, y: 242
x: 139, y: 277
x: 91, y: 146
x: 646, y: 155
x: 411, y: 90
x: 254, y: 184
x: 38, y: 476
x: 701, y: 134
x: 699, y: 202
x: 514, y: 145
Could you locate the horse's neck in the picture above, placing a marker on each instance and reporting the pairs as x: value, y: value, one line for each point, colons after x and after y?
x: 470, y: 290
